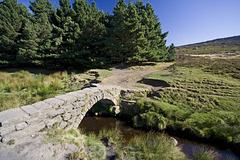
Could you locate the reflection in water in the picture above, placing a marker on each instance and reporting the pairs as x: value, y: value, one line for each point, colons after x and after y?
x: 96, y: 124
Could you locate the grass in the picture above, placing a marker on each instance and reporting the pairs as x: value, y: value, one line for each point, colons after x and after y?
x: 57, y: 136
x: 203, y: 154
x: 151, y: 147
x: 100, y: 73
x: 209, y: 49
x: 96, y: 150
x: 149, y: 65
x: 22, y: 88
x: 203, y: 99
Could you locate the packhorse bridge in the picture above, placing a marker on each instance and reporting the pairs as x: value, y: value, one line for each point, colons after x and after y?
x: 67, y: 110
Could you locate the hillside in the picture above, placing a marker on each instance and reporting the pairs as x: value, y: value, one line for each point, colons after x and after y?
x: 221, y: 45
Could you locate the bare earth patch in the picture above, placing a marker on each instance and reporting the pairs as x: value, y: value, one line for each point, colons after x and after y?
x: 130, y: 77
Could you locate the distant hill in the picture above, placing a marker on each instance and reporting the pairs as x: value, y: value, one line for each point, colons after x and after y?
x: 220, y: 45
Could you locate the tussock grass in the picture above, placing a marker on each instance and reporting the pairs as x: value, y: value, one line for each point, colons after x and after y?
x: 57, y: 136
x: 23, y: 88
x: 151, y: 147
x: 204, y: 99
x: 203, y: 154
x: 96, y: 150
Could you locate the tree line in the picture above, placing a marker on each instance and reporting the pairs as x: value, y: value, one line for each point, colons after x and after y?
x: 80, y: 35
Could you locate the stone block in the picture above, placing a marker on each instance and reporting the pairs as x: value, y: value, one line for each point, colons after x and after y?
x: 78, y: 104
x: 43, y: 107
x: 30, y: 130
x: 62, y: 125
x: 79, y: 95
x: 54, y: 113
x: 72, y: 120
x: 50, y: 122
x: 76, y: 112
x: 31, y: 110
x: 21, y: 126
x: 7, y: 129
x: 68, y: 107
x: 35, y: 120
x: 54, y: 102
x: 68, y: 99
x: 69, y: 126
x: 12, y: 116
x: 67, y: 116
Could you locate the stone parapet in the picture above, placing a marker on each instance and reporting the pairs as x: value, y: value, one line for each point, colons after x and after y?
x: 66, y: 110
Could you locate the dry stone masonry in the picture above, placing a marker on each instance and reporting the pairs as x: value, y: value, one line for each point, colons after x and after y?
x: 67, y: 110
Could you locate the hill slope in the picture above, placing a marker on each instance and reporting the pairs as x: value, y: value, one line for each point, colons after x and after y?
x: 221, y: 45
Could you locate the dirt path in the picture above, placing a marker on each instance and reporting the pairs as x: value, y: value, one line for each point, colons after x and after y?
x: 129, y: 77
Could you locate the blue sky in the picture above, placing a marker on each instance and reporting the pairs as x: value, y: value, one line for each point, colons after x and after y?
x: 189, y: 21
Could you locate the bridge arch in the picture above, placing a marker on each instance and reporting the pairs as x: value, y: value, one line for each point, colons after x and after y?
x: 67, y: 110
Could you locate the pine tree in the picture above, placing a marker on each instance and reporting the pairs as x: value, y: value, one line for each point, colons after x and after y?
x: 135, y: 40
x: 42, y: 12
x: 115, y: 48
x: 12, y: 19
x: 41, y: 6
x: 171, y: 53
x: 91, y: 23
x: 156, y: 39
x: 66, y: 32
x: 28, y: 46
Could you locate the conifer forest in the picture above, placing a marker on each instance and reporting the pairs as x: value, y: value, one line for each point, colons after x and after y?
x: 79, y: 35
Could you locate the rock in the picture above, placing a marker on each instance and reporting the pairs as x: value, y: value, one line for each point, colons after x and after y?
x: 68, y: 99
x: 54, y: 102
x: 78, y: 104
x: 79, y: 96
x: 7, y: 129
x: 70, y: 126
x: 50, y: 122
x: 12, y: 116
x: 67, y: 116
x: 35, y: 120
x: 21, y: 125
x: 30, y: 130
x: 62, y: 125
x: 56, y: 112
x: 31, y: 110
x: 42, y: 106
x: 76, y: 112
x: 174, y: 141
x: 116, y: 110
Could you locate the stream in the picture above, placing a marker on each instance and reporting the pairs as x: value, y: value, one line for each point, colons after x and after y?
x: 96, y: 124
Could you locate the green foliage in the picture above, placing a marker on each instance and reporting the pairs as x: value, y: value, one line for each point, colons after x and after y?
x: 12, y: 20
x: 80, y: 36
x: 114, y: 136
x: 204, y: 99
x: 152, y: 147
x: 150, y: 120
x: 23, y: 88
x: 202, y: 154
x: 96, y: 149
x: 11, y: 142
x: 57, y: 136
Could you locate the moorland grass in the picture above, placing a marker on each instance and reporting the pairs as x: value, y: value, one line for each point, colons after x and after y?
x: 22, y: 88
x: 204, y: 100
x: 203, y: 154
x: 208, y: 49
x: 152, y: 146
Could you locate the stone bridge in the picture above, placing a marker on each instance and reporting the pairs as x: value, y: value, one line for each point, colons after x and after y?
x: 67, y: 110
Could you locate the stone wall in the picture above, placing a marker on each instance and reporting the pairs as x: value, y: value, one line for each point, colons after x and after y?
x: 67, y: 110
